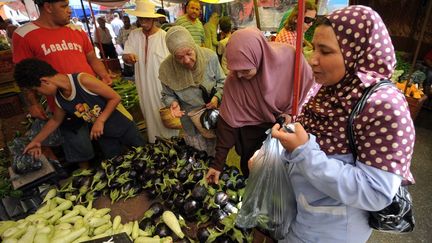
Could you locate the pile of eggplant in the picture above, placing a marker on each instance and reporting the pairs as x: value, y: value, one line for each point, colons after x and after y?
x: 173, y: 173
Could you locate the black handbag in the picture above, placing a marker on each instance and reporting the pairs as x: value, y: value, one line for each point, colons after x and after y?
x: 397, y: 217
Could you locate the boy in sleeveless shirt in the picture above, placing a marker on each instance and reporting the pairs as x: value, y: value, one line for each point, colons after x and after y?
x: 84, y: 96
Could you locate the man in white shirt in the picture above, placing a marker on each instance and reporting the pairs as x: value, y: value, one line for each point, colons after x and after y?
x: 103, y: 37
x: 146, y: 48
x: 116, y: 24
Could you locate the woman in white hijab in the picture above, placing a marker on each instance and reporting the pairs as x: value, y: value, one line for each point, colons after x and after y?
x: 191, y: 77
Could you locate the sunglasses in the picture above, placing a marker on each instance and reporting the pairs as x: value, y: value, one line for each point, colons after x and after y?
x: 308, y: 20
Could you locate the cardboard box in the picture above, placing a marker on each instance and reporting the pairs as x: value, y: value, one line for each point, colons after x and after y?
x: 415, y: 105
x: 9, y: 87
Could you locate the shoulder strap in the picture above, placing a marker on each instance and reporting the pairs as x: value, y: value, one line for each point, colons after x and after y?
x: 357, y: 110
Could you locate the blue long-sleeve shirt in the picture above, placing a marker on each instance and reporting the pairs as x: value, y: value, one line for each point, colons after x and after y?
x: 334, y: 195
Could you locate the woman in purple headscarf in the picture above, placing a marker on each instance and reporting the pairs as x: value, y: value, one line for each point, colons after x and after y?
x: 257, y: 90
x: 352, y: 51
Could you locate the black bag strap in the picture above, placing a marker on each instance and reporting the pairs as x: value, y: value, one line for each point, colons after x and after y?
x: 357, y: 109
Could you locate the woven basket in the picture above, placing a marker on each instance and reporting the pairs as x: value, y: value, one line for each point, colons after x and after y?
x: 195, y: 116
x: 168, y: 120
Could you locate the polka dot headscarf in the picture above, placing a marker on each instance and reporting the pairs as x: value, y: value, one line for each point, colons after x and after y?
x: 384, y: 130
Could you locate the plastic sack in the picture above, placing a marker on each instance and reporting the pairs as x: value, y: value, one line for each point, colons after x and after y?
x: 269, y: 201
x: 54, y: 139
x: 22, y: 163
x: 209, y: 118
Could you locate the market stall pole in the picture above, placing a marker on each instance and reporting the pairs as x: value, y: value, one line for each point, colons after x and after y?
x: 110, y: 64
x: 257, y: 17
x: 86, y: 22
x: 97, y: 33
x: 419, y: 42
x: 297, y: 63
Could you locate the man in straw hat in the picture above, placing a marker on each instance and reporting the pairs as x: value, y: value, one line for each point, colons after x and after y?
x: 146, y: 47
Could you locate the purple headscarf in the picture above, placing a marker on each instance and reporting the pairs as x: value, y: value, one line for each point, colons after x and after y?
x: 270, y: 92
x: 384, y: 130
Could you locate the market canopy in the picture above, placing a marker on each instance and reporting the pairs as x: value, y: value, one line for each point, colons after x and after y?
x: 109, y: 3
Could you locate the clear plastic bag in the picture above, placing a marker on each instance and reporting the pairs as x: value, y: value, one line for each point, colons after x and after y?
x: 269, y: 201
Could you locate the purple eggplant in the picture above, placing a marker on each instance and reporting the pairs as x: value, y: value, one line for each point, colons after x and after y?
x: 234, y: 171
x: 118, y: 160
x: 133, y: 174
x: 190, y: 207
x: 229, y: 208
x: 76, y: 181
x: 178, y: 188
x: 203, y: 234
x: 140, y: 165
x: 169, y: 203
x: 240, y: 182
x: 217, y: 215
x: 150, y: 173
x: 162, y: 230
x: 152, y: 193
x: 230, y: 185
x: 179, y: 202
x: 199, y: 193
x: 165, y: 195
x: 142, y: 178
x: 146, y: 223
x: 224, y: 239
x: 221, y: 198
x: 155, y: 210
x: 224, y: 176
x: 114, y: 185
x: 188, y: 167
x: 197, y: 175
x: 162, y: 163
x: 183, y: 175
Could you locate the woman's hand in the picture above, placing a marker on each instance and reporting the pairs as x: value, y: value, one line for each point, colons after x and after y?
x: 175, y: 110
x: 252, y: 160
x: 212, y: 176
x: 97, y: 130
x: 213, y: 104
x: 290, y: 141
x: 34, y: 149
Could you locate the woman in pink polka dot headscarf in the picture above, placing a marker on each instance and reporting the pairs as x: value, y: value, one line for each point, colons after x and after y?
x: 352, y: 51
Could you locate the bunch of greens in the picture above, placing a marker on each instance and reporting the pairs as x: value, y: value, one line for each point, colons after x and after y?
x: 127, y: 91
x: 5, y: 185
x: 401, y: 63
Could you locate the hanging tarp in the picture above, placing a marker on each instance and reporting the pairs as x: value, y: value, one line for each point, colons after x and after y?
x: 78, y: 11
